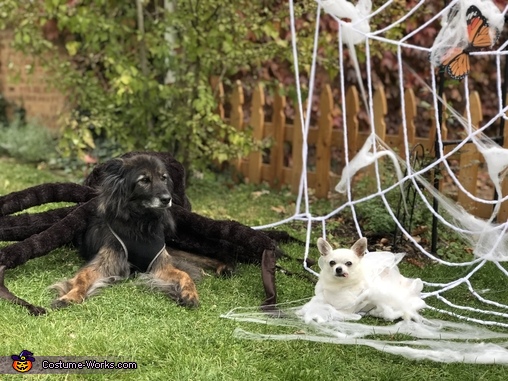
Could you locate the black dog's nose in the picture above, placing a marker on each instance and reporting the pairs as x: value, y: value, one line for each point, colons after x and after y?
x: 166, y: 200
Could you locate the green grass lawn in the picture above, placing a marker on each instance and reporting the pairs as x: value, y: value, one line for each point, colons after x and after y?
x: 174, y: 343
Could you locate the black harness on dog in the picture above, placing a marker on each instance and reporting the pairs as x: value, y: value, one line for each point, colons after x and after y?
x: 141, y: 254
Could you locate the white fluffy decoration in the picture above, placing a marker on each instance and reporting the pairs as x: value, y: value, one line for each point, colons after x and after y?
x: 435, y: 340
x: 389, y: 294
x: 353, y: 32
x: 364, y: 158
x: 372, y: 150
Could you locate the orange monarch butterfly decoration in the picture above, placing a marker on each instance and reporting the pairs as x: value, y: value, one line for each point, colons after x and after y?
x: 456, y: 60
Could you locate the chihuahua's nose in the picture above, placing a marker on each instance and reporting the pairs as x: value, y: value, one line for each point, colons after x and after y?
x: 338, y: 270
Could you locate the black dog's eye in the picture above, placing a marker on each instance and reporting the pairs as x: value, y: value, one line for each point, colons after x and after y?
x: 164, y: 177
x: 144, y: 180
x: 332, y: 263
x: 349, y: 264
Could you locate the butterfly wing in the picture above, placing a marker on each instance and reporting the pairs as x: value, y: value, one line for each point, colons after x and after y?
x: 478, y: 30
x: 456, y: 62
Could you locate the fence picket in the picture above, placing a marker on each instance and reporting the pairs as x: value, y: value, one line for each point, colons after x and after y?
x: 409, y: 113
x: 236, y: 118
x: 236, y: 101
x: 469, y: 159
x: 323, y: 144
x: 380, y: 110
x: 277, y: 149
x: 257, y: 121
x: 352, y: 109
x: 296, y: 151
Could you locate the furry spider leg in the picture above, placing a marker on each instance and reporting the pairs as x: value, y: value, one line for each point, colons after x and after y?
x: 7, y: 295
x: 59, y: 234
x: 43, y: 194
x: 193, y: 229
x: 35, y: 231
x: 23, y: 226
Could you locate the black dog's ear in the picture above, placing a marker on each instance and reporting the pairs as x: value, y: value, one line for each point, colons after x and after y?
x: 112, y: 167
x: 114, y: 188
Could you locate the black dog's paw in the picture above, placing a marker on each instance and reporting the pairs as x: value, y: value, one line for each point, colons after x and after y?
x: 36, y: 311
x: 225, y: 271
x: 60, y: 303
x: 188, y: 303
x: 188, y: 299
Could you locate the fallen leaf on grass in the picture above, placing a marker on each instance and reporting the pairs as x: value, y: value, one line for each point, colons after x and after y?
x: 419, y: 230
x: 415, y: 262
x: 279, y: 209
x: 260, y: 193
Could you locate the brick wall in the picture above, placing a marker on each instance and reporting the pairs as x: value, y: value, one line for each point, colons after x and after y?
x: 29, y: 90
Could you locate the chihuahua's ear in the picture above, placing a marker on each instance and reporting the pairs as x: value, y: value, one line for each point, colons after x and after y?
x: 360, y: 247
x: 324, y: 247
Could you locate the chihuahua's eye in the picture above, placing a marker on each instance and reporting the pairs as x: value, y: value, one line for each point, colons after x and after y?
x: 333, y: 263
x: 348, y: 263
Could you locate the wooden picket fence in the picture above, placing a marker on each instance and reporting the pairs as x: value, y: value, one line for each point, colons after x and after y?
x: 324, y: 137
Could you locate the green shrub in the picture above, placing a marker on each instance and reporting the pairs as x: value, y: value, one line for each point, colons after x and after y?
x: 28, y: 142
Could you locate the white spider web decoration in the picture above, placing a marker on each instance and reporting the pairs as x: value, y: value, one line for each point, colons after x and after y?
x: 438, y: 340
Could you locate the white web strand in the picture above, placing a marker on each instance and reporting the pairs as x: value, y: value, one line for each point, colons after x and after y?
x: 436, y: 340
x: 430, y: 339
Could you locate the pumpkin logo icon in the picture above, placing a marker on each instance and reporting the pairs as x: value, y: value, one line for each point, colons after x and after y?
x: 22, y: 362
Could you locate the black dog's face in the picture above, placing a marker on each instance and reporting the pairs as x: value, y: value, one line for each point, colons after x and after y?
x: 151, y: 188
x: 137, y: 185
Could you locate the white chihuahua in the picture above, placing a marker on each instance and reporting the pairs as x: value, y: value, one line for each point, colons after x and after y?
x: 354, y: 283
x: 341, y: 280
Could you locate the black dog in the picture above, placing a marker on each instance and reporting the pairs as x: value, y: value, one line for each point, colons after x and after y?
x: 127, y: 235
